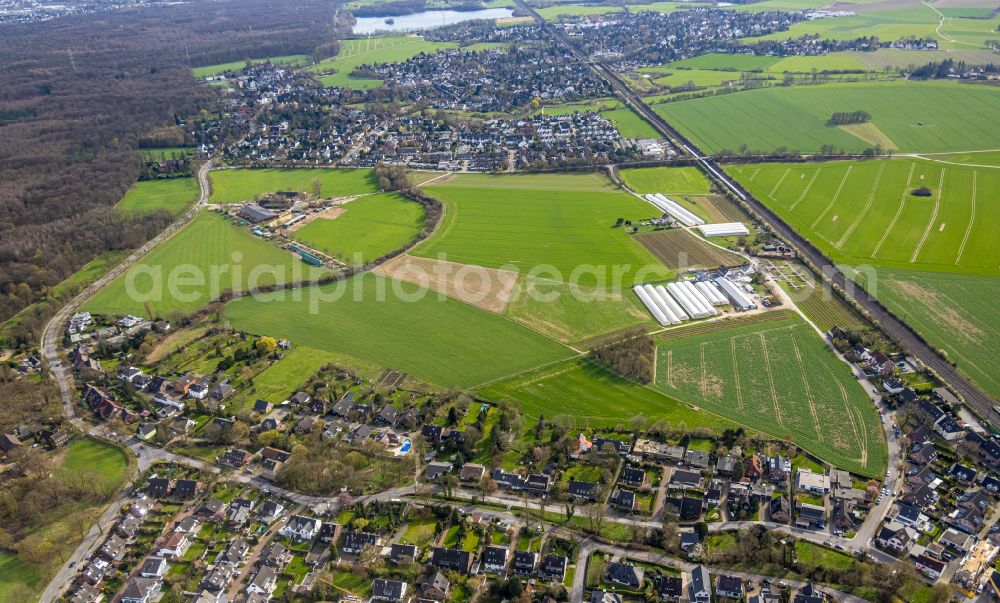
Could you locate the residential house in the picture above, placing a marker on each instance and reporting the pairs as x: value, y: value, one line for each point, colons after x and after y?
x: 239, y: 511
x: 402, y: 554
x: 87, y: 593
x: 113, y: 548
x: 301, y: 528
x: 154, y: 567
x: 140, y: 590
x: 810, y: 516
x: 582, y: 490
x: 431, y: 433
x: 189, y: 525
x: 300, y: 398
x: 582, y: 445
x: 353, y: 543
x: 895, y: 538
x: 213, y: 509
x: 525, y: 562
x: 633, y: 477
x: 388, y: 590
x: 609, y: 445
x: 809, y: 594
x: 275, y: 556
x: 471, y: 472
x: 929, y: 567
x: 175, y: 545
x: 725, y: 465
x: 623, y: 500
x: 553, y: 568
x: 603, y: 596
x: 699, y: 585
x: 305, y: 425
x: 452, y: 559
x: 186, y: 489
x: 434, y: 587
x: 626, y: 574
x: 9, y: 441
x: 270, y: 511
x: 494, y: 559
x: 264, y: 582
x: 685, y: 479
x: 436, y: 469
x: 816, y: 483
x: 962, y: 474
x: 697, y: 458
x: 329, y: 533
x: 729, y: 587
x: 262, y: 407
x: 387, y: 415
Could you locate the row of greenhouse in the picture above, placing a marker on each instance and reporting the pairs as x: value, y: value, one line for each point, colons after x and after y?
x: 673, y: 303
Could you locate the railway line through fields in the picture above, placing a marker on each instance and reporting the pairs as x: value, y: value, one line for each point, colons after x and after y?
x: 895, y: 328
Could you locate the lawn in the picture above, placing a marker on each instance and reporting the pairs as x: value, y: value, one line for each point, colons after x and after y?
x: 232, y: 186
x: 861, y: 212
x: 419, y: 531
x: 336, y: 71
x: 400, y: 326
x: 18, y: 579
x: 210, y: 70
x: 629, y: 124
x: 914, y: 116
x: 778, y: 377
x: 283, y: 378
x: 173, y: 195
x: 596, y: 397
x: 676, y: 180
x: 549, y: 224
x: 207, y: 257
x: 369, y: 228
x: 106, y: 463
x: 954, y: 312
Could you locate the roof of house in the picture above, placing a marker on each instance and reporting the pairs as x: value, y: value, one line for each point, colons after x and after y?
x: 390, y: 589
x: 625, y: 573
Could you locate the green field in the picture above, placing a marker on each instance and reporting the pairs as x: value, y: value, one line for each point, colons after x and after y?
x: 914, y: 116
x: 778, y: 377
x: 864, y: 213
x: 562, y: 225
x: 18, y: 579
x: 164, y: 153
x: 210, y: 70
x: 233, y: 186
x: 368, y: 51
x: 725, y: 62
x: 400, y: 326
x: 369, y: 228
x: 283, y: 378
x: 678, y: 180
x: 596, y: 397
x: 953, y: 312
x: 108, y: 464
x: 225, y: 256
x: 916, y: 20
x: 577, y: 314
x: 173, y: 195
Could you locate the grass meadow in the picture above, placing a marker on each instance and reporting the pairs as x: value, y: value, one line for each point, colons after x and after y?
x: 864, y: 213
x: 336, y: 71
x: 667, y: 180
x: 233, y: 186
x: 173, y: 195
x: 370, y: 226
x: 911, y: 116
x: 215, y: 247
x: 211, y: 70
x: 520, y: 222
x: 398, y: 325
x: 165, y: 153
x: 283, y: 378
x: 595, y: 397
x: 780, y: 378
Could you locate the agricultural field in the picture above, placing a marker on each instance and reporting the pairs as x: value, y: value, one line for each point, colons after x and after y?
x: 865, y: 213
x: 400, y: 326
x: 173, y: 195
x: 816, y: 300
x: 953, y: 312
x: 595, y: 397
x: 577, y: 313
x: 680, y: 250
x: 562, y: 226
x: 233, y: 186
x: 295, y: 60
x: 916, y: 20
x: 369, y: 227
x: 667, y: 180
x: 224, y: 256
x: 336, y: 71
x: 912, y: 116
x: 778, y: 377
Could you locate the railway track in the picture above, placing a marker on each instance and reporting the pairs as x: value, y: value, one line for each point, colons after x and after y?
x: 906, y: 337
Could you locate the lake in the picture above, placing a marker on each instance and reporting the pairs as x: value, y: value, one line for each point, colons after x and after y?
x: 427, y: 19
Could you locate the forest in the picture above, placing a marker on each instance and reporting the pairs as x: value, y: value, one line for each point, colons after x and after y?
x: 80, y: 94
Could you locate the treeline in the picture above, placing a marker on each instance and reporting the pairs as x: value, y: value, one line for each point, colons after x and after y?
x: 852, y: 117
x: 631, y: 355
x: 940, y: 70
x: 79, y: 94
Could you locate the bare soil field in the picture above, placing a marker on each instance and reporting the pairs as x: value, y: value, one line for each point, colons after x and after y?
x: 486, y: 288
x: 679, y: 250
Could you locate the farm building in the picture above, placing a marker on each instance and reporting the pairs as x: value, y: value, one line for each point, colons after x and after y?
x: 726, y: 229
x: 675, y: 209
x: 256, y: 213
x: 307, y: 257
x: 739, y: 299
